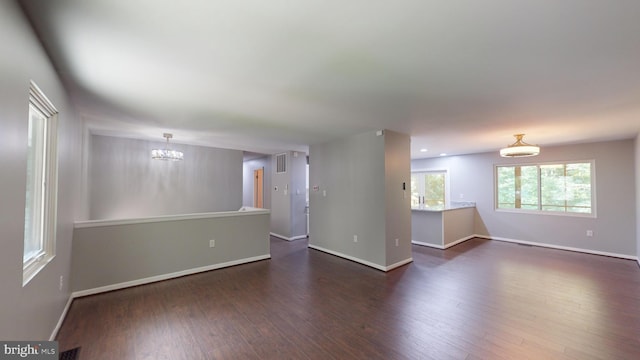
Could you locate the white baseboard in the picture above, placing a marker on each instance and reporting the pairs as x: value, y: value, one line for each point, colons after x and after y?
x: 459, y: 241
x: 442, y: 247
x: 361, y: 261
x: 558, y: 247
x: 152, y: 279
x: 398, y: 264
x: 349, y: 257
x: 421, y: 243
x: 61, y: 320
x: 550, y: 246
x: 299, y: 237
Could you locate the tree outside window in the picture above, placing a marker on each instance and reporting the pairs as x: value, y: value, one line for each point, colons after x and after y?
x: 428, y: 189
x: 558, y: 187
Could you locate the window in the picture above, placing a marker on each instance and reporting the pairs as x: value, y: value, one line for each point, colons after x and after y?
x: 40, y: 204
x: 428, y: 189
x: 547, y: 188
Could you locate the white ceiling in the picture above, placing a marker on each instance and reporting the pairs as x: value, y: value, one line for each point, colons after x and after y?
x: 459, y: 76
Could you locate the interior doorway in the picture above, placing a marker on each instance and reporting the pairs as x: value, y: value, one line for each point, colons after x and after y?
x: 258, y: 188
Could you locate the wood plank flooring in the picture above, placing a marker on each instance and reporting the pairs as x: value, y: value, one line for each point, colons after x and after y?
x: 481, y: 299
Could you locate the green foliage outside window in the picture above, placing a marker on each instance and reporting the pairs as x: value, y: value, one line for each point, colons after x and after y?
x: 434, y: 189
x: 564, y: 187
x: 428, y: 189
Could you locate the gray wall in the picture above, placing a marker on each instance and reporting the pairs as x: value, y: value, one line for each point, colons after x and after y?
x: 397, y: 170
x: 31, y: 312
x: 458, y: 224
x: 247, y: 180
x: 351, y: 172
x: 109, y: 255
x: 362, y: 197
x: 124, y: 182
x: 614, y: 229
x: 288, y: 218
x: 427, y: 227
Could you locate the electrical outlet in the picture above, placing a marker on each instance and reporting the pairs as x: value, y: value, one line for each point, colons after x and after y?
x: 589, y: 233
x: 212, y: 243
x: 61, y: 283
x: 355, y: 238
x: 397, y: 242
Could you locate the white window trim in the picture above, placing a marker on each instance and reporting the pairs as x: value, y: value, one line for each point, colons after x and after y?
x: 593, y: 213
x: 32, y: 266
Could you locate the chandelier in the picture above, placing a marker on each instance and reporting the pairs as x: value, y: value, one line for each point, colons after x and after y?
x: 167, y: 153
x: 520, y: 148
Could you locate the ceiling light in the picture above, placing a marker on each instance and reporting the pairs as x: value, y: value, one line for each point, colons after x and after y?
x: 423, y: 150
x: 167, y: 154
x: 443, y: 154
x: 520, y: 148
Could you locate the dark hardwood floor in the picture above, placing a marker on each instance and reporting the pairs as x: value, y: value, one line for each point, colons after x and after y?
x: 479, y: 300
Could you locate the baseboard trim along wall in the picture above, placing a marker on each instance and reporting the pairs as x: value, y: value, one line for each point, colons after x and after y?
x: 61, y: 320
x: 162, y: 277
x: 299, y: 237
x: 550, y: 246
x: 558, y: 247
x: 361, y: 261
x: 459, y: 241
x: 442, y: 247
x: 399, y: 264
x: 421, y: 243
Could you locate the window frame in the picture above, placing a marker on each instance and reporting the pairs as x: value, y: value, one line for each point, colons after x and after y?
x: 48, y: 173
x: 539, y: 211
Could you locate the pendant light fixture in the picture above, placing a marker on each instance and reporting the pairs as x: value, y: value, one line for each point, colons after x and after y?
x: 520, y: 148
x: 166, y: 153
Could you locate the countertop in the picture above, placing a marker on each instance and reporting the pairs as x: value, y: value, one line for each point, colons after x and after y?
x: 452, y: 206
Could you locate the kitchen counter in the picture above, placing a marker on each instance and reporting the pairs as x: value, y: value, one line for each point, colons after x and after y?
x: 452, y: 206
x: 443, y: 227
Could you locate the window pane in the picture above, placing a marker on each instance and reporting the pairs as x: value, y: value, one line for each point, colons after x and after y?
x: 33, y: 225
x: 566, y: 187
x: 579, y: 187
x: 434, y: 189
x: 41, y: 183
x: 506, y: 187
x: 552, y: 187
x: 518, y: 187
x: 529, y: 187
